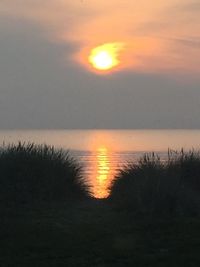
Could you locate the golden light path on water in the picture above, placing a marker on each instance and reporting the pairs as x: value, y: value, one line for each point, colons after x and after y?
x: 103, y: 173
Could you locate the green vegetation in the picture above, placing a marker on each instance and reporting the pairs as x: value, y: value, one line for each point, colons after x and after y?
x: 152, y: 187
x: 32, y: 173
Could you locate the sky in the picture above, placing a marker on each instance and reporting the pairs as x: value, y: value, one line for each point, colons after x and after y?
x: 47, y: 81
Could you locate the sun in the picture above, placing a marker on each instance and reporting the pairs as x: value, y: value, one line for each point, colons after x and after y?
x: 103, y: 60
x: 106, y: 56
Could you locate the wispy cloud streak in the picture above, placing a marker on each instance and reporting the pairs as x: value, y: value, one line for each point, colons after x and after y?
x: 160, y: 36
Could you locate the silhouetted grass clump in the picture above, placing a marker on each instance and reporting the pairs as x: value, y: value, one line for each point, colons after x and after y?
x: 31, y: 173
x: 153, y: 187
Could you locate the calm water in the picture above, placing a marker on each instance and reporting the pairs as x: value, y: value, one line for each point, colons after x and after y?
x: 103, y: 152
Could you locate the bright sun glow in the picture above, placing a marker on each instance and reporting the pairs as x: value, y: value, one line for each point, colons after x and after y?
x: 106, y: 56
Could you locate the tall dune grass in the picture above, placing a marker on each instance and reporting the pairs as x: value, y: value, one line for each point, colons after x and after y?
x: 153, y: 187
x: 30, y: 173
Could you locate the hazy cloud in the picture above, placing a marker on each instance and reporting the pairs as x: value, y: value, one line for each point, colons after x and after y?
x: 45, y: 82
x: 142, y: 25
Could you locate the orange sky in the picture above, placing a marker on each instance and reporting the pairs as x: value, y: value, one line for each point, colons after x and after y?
x: 160, y: 35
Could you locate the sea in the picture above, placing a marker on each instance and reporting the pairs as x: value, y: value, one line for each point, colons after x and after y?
x: 102, y: 153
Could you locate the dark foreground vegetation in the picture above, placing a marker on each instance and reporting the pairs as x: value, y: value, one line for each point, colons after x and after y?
x: 153, y: 187
x: 150, y: 219
x: 33, y: 173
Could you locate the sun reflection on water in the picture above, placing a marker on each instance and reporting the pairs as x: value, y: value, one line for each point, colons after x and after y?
x: 103, y: 172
